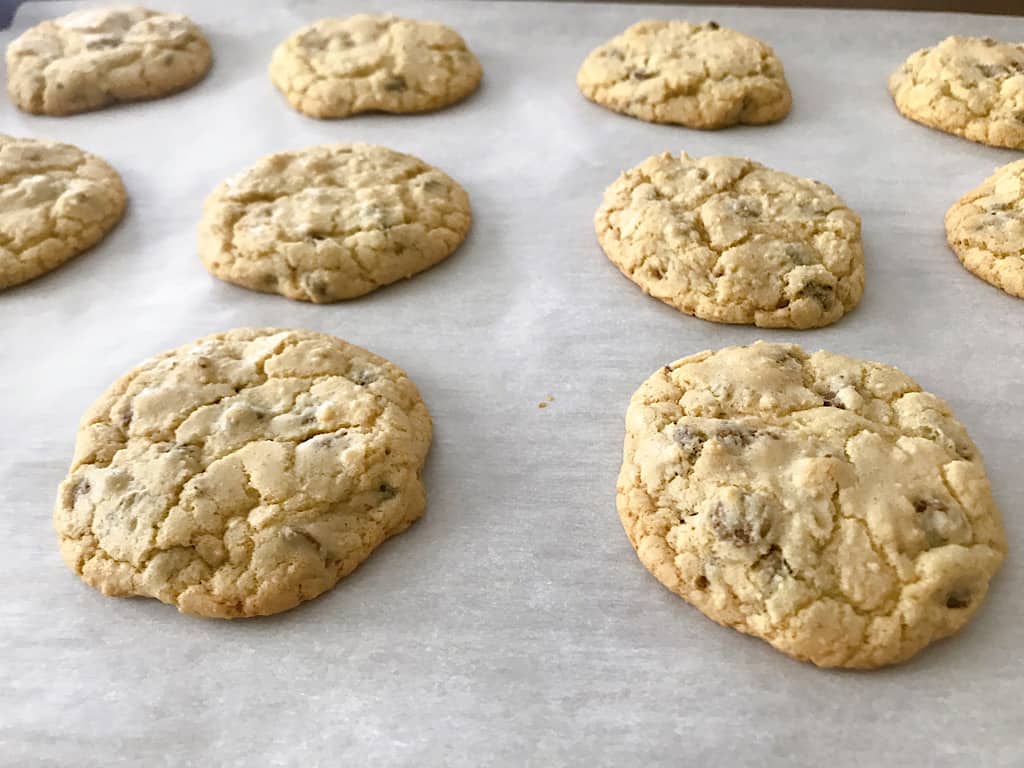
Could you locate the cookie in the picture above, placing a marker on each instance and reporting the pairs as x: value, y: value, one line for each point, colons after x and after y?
x: 985, y: 229
x: 56, y: 201
x: 340, y: 67
x: 697, y: 75
x: 243, y: 473
x: 331, y: 222
x: 729, y: 240
x: 94, y: 58
x: 969, y: 86
x: 824, y: 504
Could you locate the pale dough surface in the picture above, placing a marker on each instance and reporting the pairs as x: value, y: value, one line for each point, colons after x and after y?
x: 985, y: 229
x: 94, y: 58
x: 56, y: 201
x: 340, y: 67
x: 243, y: 473
x: 729, y: 240
x: 970, y: 86
x: 331, y: 222
x: 822, y: 503
x: 697, y: 75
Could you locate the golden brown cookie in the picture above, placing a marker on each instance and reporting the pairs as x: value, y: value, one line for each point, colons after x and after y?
x: 243, y: 473
x: 340, y: 67
x: 93, y: 58
x: 331, y: 222
x: 56, y: 201
x: 697, y: 75
x: 985, y: 229
x: 970, y: 86
x: 824, y: 504
x: 729, y: 240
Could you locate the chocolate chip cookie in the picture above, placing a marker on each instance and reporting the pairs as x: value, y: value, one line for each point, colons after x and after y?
x: 729, y: 240
x: 340, y: 67
x: 244, y: 473
x: 969, y: 86
x: 824, y: 504
x: 331, y: 222
x: 697, y: 75
x: 93, y: 58
x: 985, y: 229
x: 56, y: 201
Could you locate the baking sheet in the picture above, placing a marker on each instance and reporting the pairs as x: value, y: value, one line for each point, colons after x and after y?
x: 513, y: 625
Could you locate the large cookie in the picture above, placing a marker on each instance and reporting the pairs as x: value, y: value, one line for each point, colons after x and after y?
x: 729, y: 240
x: 822, y: 503
x: 331, y: 222
x: 55, y: 202
x: 697, y: 75
x: 93, y: 58
x: 340, y: 67
x: 985, y: 229
x: 970, y: 86
x: 244, y: 473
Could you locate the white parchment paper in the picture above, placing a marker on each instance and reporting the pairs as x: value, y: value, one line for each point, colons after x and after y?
x: 513, y: 625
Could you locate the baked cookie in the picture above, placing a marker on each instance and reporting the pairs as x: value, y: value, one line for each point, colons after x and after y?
x: 244, y: 473
x: 93, y: 58
x: 985, y: 229
x: 970, y: 86
x: 697, y: 75
x: 729, y: 240
x: 821, y: 503
x: 340, y: 67
x: 56, y: 201
x: 331, y: 222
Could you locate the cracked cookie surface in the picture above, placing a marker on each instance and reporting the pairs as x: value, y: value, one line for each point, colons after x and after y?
x: 244, y: 473
x: 94, y: 58
x: 697, y: 75
x: 985, y: 229
x: 331, y: 222
x: 729, y: 240
x: 56, y: 201
x: 822, y: 503
x: 341, y: 67
x: 969, y: 86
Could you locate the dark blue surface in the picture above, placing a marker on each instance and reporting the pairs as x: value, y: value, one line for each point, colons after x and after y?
x: 7, y: 9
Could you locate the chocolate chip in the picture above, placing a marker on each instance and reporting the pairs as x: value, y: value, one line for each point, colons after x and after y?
x: 386, y: 490
x: 667, y: 370
x: 991, y: 70
x: 831, y: 402
x: 799, y: 254
x: 935, y: 519
x: 316, y: 288
x: 81, y: 488
x: 819, y: 292
x: 362, y: 378
x: 702, y: 174
x: 734, y: 525
x: 734, y: 436
x: 747, y: 208
x: 957, y: 599
x: 701, y: 582
x: 396, y: 83
x: 102, y: 43
x: 637, y: 73
x: 713, y: 25
x: 691, y: 441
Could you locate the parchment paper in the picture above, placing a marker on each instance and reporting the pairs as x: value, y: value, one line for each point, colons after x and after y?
x: 513, y: 625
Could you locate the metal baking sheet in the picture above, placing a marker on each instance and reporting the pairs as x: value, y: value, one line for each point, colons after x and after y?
x: 513, y: 625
